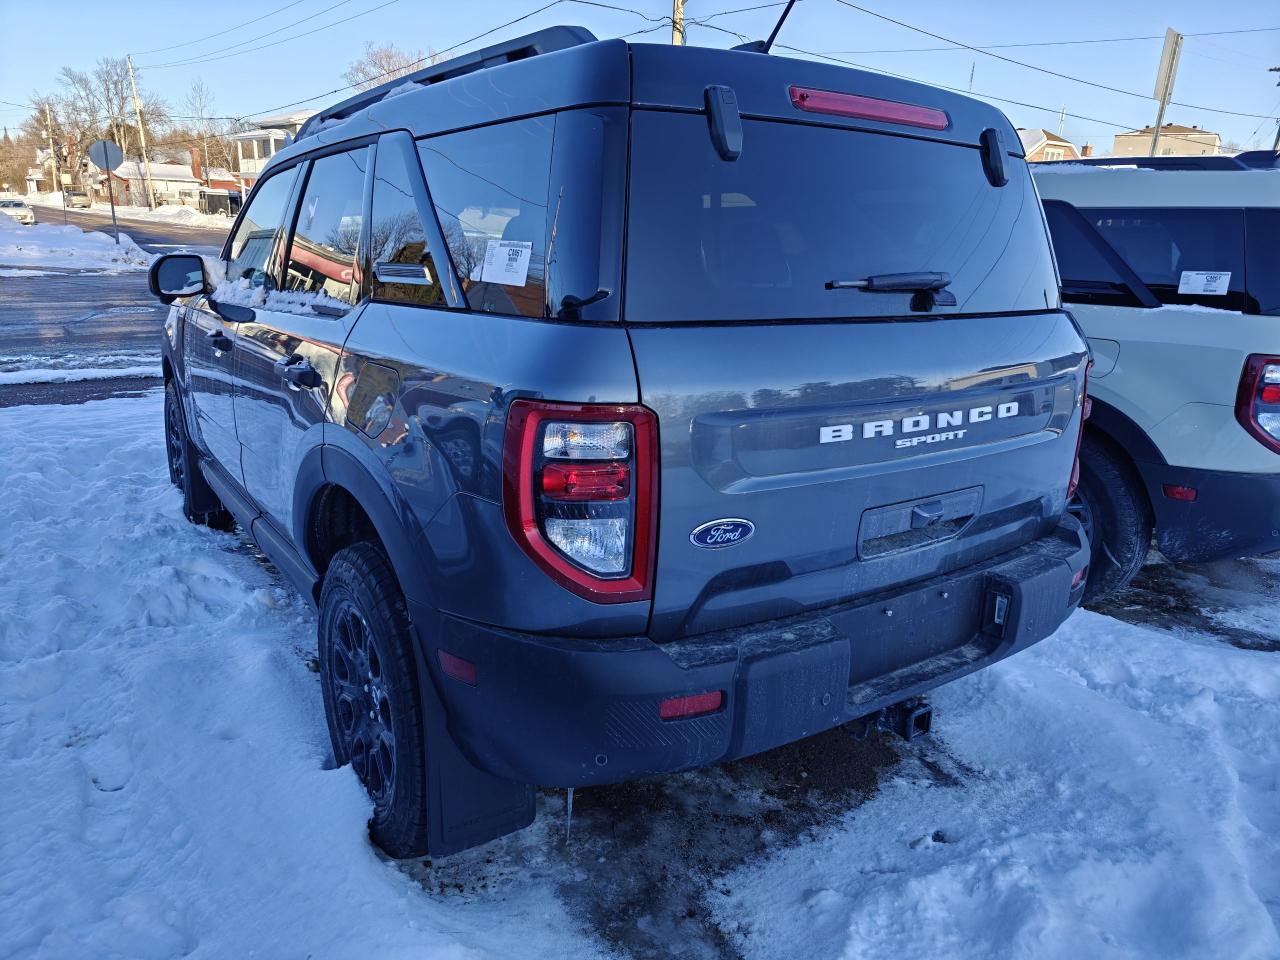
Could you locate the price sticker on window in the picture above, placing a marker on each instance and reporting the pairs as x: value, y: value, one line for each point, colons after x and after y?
x: 507, y: 262
x: 1204, y: 282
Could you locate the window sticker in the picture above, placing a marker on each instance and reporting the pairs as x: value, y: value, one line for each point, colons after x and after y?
x: 506, y: 262
x: 1202, y: 282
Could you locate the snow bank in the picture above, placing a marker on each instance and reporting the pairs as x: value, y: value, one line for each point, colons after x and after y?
x: 167, y: 213
x: 1121, y: 798
x: 54, y: 245
x: 163, y: 750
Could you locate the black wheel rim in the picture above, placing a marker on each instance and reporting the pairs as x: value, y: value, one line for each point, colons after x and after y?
x: 361, y: 702
x: 173, y: 443
x: 1079, y: 508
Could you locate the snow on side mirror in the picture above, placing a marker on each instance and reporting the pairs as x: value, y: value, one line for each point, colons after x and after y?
x: 177, y: 275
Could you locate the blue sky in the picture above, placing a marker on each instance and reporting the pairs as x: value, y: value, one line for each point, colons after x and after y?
x: 1226, y: 71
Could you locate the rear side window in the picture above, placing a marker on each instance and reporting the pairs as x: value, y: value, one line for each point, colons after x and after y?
x: 403, y: 270
x: 322, y: 254
x: 760, y: 237
x: 1091, y: 271
x: 1191, y: 248
x: 256, y: 232
x: 1262, y: 251
x: 489, y: 187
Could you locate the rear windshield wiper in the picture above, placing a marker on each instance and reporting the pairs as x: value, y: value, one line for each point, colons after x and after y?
x: 929, y: 288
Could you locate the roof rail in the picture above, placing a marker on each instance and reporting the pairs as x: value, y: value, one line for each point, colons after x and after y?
x: 1249, y: 161
x: 521, y: 48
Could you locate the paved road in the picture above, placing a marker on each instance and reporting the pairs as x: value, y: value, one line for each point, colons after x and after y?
x: 151, y: 236
x: 88, y: 319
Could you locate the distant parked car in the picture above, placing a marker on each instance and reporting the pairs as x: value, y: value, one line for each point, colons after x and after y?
x: 77, y: 198
x: 19, y: 210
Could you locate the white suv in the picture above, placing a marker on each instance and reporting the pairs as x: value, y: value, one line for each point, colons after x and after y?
x: 1172, y: 267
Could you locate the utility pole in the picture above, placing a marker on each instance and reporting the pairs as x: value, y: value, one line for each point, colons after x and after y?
x: 57, y: 159
x: 972, y: 67
x: 142, y: 136
x: 1276, y: 144
x: 1062, y: 118
x: 1164, y: 80
x: 677, y: 22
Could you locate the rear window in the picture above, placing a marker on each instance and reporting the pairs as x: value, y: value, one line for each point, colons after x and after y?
x: 1262, y: 270
x: 760, y: 237
x: 1192, y: 248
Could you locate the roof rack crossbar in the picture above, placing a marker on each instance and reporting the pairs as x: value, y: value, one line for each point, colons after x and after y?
x: 509, y: 51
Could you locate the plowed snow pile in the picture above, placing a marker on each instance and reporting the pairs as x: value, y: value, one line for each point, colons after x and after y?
x: 164, y: 791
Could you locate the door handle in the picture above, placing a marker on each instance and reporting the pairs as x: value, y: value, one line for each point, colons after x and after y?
x: 218, y: 340
x: 298, y: 372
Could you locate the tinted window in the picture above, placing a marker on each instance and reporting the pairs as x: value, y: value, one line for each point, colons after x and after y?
x: 761, y: 236
x: 1088, y: 269
x: 1262, y: 272
x: 489, y: 187
x: 1166, y: 246
x: 326, y: 235
x: 403, y: 270
x: 256, y: 233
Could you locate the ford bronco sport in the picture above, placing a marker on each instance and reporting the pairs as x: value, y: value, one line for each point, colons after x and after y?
x: 625, y: 409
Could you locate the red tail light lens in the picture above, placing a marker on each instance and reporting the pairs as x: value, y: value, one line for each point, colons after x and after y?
x: 868, y: 108
x: 678, y: 708
x: 580, y: 484
x: 1258, y: 400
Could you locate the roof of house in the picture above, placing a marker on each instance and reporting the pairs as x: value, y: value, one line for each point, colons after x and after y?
x: 219, y: 173
x: 284, y: 119
x: 1168, y: 128
x: 1034, y: 139
x: 133, y: 170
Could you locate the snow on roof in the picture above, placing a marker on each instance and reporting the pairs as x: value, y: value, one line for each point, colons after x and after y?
x: 219, y: 173
x: 1169, y: 128
x: 284, y: 119
x: 134, y: 170
x: 1031, y: 139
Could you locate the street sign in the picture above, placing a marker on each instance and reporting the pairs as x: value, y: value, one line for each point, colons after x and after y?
x: 106, y: 155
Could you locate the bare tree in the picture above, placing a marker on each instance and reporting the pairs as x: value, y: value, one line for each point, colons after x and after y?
x: 386, y: 62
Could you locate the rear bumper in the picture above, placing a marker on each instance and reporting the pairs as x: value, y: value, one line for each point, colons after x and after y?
x: 572, y: 712
x: 1233, y: 515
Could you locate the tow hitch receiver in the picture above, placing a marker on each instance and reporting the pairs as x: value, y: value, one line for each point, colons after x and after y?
x: 908, y: 719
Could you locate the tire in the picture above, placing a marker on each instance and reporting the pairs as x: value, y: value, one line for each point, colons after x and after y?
x: 372, y: 697
x: 200, y: 504
x: 1113, y: 508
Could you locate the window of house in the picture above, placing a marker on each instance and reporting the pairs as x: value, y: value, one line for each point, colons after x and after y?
x: 1054, y: 153
x: 489, y: 187
x: 255, y: 235
x: 326, y: 235
x: 403, y: 269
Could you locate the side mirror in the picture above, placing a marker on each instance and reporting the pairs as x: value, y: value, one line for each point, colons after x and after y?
x: 177, y: 275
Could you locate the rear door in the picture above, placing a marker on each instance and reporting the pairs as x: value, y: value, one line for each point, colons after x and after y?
x: 860, y: 439
x: 287, y: 356
x: 209, y: 339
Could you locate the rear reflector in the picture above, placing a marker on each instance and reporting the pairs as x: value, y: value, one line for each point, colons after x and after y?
x: 678, y: 708
x: 457, y: 668
x: 868, y: 108
x: 1177, y: 492
x: 1078, y: 577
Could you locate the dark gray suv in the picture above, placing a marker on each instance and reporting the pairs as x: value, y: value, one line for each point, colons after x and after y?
x: 630, y: 408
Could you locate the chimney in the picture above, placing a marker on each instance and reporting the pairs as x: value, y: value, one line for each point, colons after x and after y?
x: 1086, y: 150
x: 196, y: 170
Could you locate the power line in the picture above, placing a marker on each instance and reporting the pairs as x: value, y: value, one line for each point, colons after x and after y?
x: 1048, y: 43
x: 1045, y: 70
x: 220, y: 33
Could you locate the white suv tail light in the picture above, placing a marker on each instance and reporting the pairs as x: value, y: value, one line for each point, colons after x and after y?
x: 580, y: 485
x: 1258, y: 400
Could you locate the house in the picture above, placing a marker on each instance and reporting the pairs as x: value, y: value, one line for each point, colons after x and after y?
x: 269, y: 135
x: 1040, y: 145
x: 173, y: 183
x: 217, y: 178
x: 1175, y: 141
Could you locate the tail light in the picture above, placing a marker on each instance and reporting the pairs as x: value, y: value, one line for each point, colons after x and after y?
x: 867, y: 108
x: 1258, y: 401
x: 580, y: 490
x: 1086, y: 408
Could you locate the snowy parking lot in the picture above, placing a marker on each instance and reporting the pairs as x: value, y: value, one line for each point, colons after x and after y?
x: 168, y: 787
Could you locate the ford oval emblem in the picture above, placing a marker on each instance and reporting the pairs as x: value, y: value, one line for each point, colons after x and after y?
x: 722, y: 533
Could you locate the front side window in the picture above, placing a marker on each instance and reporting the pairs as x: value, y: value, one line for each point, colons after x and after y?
x: 489, y: 187
x: 322, y: 253
x: 1185, y: 255
x: 403, y: 269
x: 255, y: 235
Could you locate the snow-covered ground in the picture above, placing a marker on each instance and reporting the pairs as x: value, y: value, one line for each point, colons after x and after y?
x: 1114, y: 792
x: 167, y: 213
x: 68, y: 247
